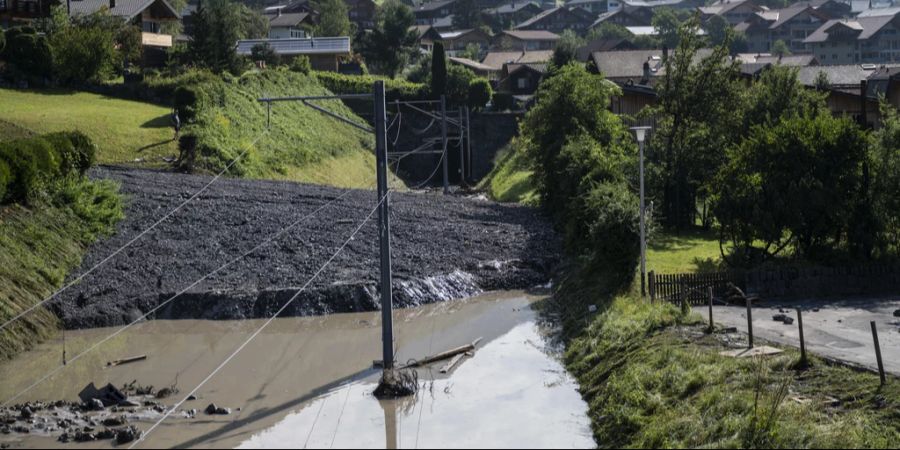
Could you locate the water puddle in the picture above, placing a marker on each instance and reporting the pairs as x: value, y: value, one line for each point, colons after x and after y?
x: 308, y: 381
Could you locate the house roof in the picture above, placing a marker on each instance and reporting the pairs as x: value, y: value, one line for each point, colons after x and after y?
x: 603, y: 45
x: 532, y: 35
x: 425, y: 31
x: 630, y: 63
x: 456, y: 34
x: 838, y: 76
x: 892, y: 11
x: 434, y: 5
x: 784, y: 60
x: 559, y: 9
x: 496, y: 60
x: 786, y: 14
x: 722, y: 6
x: 307, y: 46
x: 287, y: 20
x: 514, y: 7
x: 127, y: 9
x: 536, y: 67
x: 474, y: 65
x: 867, y: 27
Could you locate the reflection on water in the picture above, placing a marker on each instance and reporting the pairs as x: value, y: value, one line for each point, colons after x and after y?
x: 511, y: 394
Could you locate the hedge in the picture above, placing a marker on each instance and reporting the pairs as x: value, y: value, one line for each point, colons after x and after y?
x: 28, y: 165
x: 362, y: 84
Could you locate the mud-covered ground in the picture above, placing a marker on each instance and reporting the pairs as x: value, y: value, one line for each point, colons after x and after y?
x: 443, y: 247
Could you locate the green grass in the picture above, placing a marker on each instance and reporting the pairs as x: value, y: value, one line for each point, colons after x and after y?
x: 511, y: 180
x: 10, y: 131
x: 653, y: 379
x: 684, y: 252
x: 39, y: 245
x: 123, y: 130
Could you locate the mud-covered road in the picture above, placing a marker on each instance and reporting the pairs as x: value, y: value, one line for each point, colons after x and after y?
x: 443, y: 247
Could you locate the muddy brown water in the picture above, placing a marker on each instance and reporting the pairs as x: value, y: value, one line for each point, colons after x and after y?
x: 307, y: 382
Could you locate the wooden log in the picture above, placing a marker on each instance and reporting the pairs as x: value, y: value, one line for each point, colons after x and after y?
x: 445, y: 355
x: 132, y: 359
x: 453, y: 362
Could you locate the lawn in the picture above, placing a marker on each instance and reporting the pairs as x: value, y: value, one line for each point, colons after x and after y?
x: 683, y: 252
x: 124, y: 130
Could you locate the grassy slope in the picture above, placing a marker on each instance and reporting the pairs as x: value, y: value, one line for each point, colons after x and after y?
x: 653, y: 378
x: 40, y: 245
x: 123, y: 130
x: 510, y: 181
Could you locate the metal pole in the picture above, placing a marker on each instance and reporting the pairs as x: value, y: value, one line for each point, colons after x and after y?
x: 643, y: 229
x: 803, y: 361
x: 268, y: 114
x: 462, y: 154
x: 750, y: 323
x: 444, y: 142
x: 712, y: 325
x: 384, y: 231
x: 878, y: 354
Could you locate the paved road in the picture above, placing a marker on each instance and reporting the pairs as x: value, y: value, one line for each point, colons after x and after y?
x: 835, y: 328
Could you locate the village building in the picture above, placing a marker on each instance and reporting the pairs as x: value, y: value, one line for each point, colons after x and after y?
x: 324, y: 53
x: 559, y: 19
x: 525, y: 40
x: 863, y: 40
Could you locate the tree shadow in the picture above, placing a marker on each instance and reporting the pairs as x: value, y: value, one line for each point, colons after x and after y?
x: 158, y: 144
x: 162, y: 121
x: 705, y: 265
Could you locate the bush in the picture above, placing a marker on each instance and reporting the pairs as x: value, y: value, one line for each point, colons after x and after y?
x: 301, y: 64
x: 28, y: 53
x: 610, y: 216
x: 480, y: 93
x: 32, y: 163
x: 82, y: 54
x: 265, y: 53
x: 502, y: 101
x: 75, y: 150
x: 5, y: 179
x: 458, y: 80
x: 361, y: 84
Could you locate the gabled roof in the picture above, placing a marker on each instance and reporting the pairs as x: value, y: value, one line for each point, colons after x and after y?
x: 496, y: 60
x: 474, y: 65
x: 558, y: 10
x: 838, y: 76
x: 287, y: 20
x: 307, y: 46
x: 723, y: 6
x: 456, y: 34
x: 630, y: 63
x: 514, y: 7
x: 532, y: 35
x: 784, y: 60
x: 892, y: 11
x: 865, y: 26
x: 434, y: 5
x: 423, y: 31
x: 785, y: 15
x: 127, y: 9
x: 603, y: 45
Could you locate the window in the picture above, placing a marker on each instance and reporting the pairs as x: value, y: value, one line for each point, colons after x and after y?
x: 522, y: 83
x: 2, y: 5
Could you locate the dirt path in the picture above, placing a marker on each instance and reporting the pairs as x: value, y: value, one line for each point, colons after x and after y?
x: 444, y: 247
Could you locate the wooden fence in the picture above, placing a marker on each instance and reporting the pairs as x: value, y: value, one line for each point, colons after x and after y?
x: 693, y: 287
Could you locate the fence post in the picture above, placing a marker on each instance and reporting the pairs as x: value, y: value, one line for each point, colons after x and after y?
x: 878, y: 354
x: 803, y: 362
x: 652, y: 285
x: 712, y: 326
x: 750, y: 322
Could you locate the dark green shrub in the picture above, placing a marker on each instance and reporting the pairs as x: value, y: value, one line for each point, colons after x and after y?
x: 502, y: 101
x: 360, y: 84
x: 606, y: 227
x: 32, y: 163
x: 28, y: 53
x: 76, y: 151
x: 301, y: 64
x: 480, y: 93
x: 5, y: 179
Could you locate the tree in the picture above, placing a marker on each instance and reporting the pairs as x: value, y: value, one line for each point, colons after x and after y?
x: 480, y: 92
x: 884, y: 166
x: 388, y: 46
x: 780, y: 48
x: 28, y: 53
x: 797, y: 184
x: 776, y: 95
x: 84, y: 53
x: 466, y: 14
x: 823, y: 84
x: 265, y: 53
x: 218, y: 24
x: 459, y: 79
x: 667, y: 22
x: 438, y: 70
x: 609, y: 30
x: 334, y: 19
x: 567, y: 48
x: 687, y: 146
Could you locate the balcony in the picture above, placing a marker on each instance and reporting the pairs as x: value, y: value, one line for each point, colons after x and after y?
x: 156, y: 40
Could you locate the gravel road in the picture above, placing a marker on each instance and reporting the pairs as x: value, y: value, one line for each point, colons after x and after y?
x: 443, y: 247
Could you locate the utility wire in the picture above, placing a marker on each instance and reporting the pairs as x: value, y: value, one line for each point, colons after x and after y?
x: 135, y: 239
x: 266, y: 324
x: 163, y: 304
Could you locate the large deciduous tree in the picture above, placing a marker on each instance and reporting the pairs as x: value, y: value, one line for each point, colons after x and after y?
x: 388, y: 46
x: 334, y: 19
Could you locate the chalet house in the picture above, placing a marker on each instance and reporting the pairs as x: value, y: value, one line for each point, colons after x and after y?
x: 832, y: 8
x: 640, y: 16
x: 428, y: 13
x: 324, y: 53
x: 734, y: 11
x: 631, y: 67
x: 362, y: 13
x: 457, y: 41
x: 791, y: 25
x: 480, y: 69
x: 559, y: 19
x: 871, y: 39
x: 507, y: 15
x: 854, y: 90
x: 525, y: 40
x: 426, y: 36
x: 521, y: 80
x: 288, y: 25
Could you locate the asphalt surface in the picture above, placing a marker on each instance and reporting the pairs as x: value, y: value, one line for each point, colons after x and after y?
x: 835, y: 328
x: 443, y: 247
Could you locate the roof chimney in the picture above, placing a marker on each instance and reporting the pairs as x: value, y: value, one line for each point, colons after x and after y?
x: 112, y: 4
x: 646, y: 78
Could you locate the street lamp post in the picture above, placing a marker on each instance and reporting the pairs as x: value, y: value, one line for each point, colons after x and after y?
x: 641, y: 135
